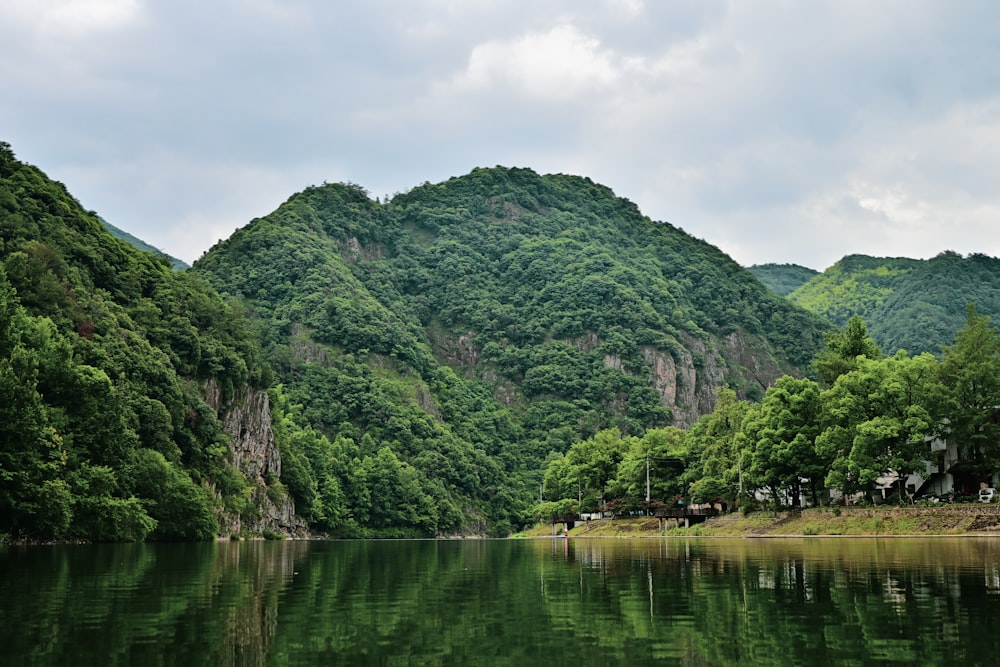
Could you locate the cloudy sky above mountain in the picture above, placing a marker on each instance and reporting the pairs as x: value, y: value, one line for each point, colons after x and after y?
x: 779, y: 131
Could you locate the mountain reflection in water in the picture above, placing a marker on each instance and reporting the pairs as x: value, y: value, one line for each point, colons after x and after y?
x: 808, y: 601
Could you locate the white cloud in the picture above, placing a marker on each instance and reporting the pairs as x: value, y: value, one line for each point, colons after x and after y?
x: 779, y: 131
x: 557, y: 65
x: 62, y: 19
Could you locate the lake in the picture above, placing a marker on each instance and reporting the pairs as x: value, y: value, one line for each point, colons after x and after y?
x: 805, y: 601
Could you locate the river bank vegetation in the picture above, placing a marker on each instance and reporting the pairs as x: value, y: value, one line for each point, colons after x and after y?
x: 866, y: 416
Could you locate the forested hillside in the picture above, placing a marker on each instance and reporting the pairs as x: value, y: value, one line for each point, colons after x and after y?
x: 433, y: 351
x: 115, y: 377
x: 910, y: 304
x: 417, y: 363
x: 871, y: 430
x: 142, y: 245
x: 783, y: 279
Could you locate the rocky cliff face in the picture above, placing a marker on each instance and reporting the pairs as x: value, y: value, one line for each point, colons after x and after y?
x: 686, y: 380
x: 689, y: 383
x: 254, y: 452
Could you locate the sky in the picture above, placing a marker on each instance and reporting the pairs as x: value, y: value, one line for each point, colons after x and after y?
x: 778, y: 130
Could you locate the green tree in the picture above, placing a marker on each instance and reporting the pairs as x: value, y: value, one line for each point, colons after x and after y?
x: 970, y: 369
x: 778, y: 441
x: 881, y: 417
x: 561, y: 479
x: 843, y: 349
x: 663, y: 454
x: 715, y: 471
x: 182, y: 509
x: 397, y: 493
x: 100, y: 515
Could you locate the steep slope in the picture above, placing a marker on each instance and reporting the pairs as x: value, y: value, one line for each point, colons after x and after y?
x: 856, y: 285
x: 783, y: 279
x: 118, y: 378
x: 910, y: 304
x: 142, y: 245
x: 470, y: 328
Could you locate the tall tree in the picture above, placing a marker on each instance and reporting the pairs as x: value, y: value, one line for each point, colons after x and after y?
x: 881, y: 418
x: 970, y: 369
x: 843, y: 349
x: 658, y: 459
x: 715, y: 472
x: 780, y: 437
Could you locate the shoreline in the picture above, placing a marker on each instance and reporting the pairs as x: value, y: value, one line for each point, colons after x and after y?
x: 951, y: 521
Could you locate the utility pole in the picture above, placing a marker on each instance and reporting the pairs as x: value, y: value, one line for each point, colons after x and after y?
x: 647, y: 479
x: 739, y: 494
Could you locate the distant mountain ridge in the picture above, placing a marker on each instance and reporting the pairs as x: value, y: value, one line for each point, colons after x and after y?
x: 142, y: 245
x: 783, y: 279
x: 910, y: 304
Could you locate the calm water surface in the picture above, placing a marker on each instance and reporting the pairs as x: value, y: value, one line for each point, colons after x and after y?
x: 809, y: 601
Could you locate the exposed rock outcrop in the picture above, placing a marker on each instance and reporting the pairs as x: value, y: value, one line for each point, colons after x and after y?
x: 305, y: 349
x: 687, y: 378
x: 254, y: 452
x: 687, y: 384
x: 460, y: 352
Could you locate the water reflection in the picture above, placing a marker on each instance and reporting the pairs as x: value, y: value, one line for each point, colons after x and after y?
x: 641, y: 601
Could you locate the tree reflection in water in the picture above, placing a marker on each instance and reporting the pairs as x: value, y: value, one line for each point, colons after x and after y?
x: 551, y: 601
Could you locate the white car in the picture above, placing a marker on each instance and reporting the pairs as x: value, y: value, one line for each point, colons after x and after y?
x: 988, y: 495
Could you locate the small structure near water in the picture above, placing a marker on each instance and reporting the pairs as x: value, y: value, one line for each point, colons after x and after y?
x: 684, y: 516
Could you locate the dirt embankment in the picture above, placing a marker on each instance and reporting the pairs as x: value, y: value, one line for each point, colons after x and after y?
x: 978, y: 519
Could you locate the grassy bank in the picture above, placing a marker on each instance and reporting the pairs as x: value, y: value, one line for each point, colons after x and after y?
x: 952, y: 520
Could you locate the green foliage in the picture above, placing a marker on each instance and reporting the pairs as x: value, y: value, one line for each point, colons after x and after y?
x: 661, y: 456
x: 856, y: 285
x: 778, y: 441
x: 844, y: 351
x: 969, y: 371
x: 555, y: 510
x: 914, y: 305
x: 182, y: 510
x: 880, y: 418
x: 875, y: 420
x: 472, y: 328
x: 714, y: 475
x: 783, y: 279
x: 441, y: 356
x: 104, y: 354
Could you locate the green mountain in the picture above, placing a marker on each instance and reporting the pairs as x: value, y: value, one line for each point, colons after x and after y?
x: 433, y: 351
x: 404, y: 368
x: 910, y: 304
x: 124, y: 385
x: 142, y: 245
x: 783, y: 279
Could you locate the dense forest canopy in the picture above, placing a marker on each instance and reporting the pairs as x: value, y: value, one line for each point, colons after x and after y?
x: 783, y: 279
x: 436, y: 361
x: 489, y: 322
x: 909, y: 304
x: 103, y: 352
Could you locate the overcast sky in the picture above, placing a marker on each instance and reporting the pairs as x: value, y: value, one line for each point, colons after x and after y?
x: 779, y: 131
